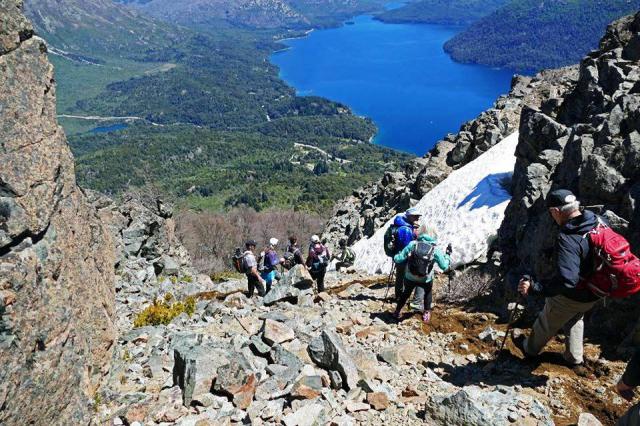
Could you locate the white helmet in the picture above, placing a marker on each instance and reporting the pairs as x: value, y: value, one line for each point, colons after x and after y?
x: 273, y: 242
x: 315, y: 239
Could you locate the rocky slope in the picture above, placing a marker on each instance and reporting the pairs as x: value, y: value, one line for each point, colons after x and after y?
x: 370, y: 207
x: 56, y: 257
x: 589, y: 144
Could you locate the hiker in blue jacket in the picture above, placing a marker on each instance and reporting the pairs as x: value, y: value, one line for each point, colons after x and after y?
x: 405, y: 233
x: 411, y: 279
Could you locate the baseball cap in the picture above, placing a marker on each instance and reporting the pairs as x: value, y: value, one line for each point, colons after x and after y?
x: 560, y: 198
x: 413, y: 212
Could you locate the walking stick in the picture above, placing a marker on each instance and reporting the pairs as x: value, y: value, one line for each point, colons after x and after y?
x: 389, y: 281
x: 514, y: 316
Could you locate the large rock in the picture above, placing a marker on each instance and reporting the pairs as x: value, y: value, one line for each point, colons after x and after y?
x: 589, y: 144
x: 56, y: 257
x: 237, y: 381
x: 329, y: 353
x: 474, y: 406
x: 276, y: 332
x: 195, y: 369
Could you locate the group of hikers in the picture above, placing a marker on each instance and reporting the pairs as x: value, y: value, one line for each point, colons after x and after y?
x: 262, y: 269
x: 592, y: 263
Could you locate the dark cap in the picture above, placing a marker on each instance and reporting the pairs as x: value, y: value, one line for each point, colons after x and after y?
x: 250, y: 243
x: 560, y: 198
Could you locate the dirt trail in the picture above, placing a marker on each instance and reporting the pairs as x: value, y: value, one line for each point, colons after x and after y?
x: 546, y: 378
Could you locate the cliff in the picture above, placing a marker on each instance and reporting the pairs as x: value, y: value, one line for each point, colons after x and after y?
x: 56, y: 257
x: 590, y: 144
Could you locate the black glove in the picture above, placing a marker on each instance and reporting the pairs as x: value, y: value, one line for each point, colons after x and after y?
x: 449, y: 250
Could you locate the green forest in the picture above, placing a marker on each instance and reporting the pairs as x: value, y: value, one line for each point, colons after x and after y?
x: 446, y: 12
x: 529, y: 35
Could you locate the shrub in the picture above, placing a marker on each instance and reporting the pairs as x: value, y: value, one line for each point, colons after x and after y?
x: 163, y: 311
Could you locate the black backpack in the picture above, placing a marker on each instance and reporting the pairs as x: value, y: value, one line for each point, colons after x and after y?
x: 238, y: 261
x: 289, y: 259
x: 390, y: 241
x: 422, y: 259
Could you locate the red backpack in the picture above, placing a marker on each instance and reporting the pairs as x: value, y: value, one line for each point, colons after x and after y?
x: 616, y: 270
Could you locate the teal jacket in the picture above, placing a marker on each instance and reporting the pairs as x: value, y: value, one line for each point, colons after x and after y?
x: 443, y: 260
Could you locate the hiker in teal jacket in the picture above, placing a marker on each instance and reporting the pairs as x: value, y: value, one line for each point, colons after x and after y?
x: 412, y: 281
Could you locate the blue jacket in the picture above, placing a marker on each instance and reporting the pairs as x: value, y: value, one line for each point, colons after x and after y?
x: 404, y: 232
x: 443, y: 260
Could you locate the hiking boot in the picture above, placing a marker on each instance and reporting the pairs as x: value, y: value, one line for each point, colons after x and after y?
x: 519, y: 343
x: 415, y: 306
x: 426, y: 316
x: 581, y: 370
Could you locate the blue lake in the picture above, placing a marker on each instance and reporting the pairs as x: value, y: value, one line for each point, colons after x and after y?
x: 398, y: 75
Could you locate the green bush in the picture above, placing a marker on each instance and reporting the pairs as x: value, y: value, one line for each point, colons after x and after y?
x: 162, y: 312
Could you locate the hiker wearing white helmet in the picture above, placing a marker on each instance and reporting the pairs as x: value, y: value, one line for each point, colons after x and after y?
x: 269, y: 263
x: 317, y: 261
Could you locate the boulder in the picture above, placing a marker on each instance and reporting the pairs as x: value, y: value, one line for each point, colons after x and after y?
x: 237, y: 381
x: 276, y: 332
x: 475, y: 406
x: 195, y: 369
x: 307, y: 415
x: 378, y: 400
x: 329, y: 353
x: 587, y: 419
x: 280, y: 293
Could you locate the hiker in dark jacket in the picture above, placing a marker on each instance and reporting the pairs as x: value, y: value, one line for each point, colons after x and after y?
x: 406, y: 224
x: 566, y: 301
x: 254, y: 280
x: 317, y: 261
x: 626, y: 388
x: 293, y: 254
x: 412, y: 281
x: 270, y: 263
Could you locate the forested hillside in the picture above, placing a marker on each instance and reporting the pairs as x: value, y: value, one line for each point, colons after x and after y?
x: 528, y: 35
x: 447, y: 12
x: 207, y: 119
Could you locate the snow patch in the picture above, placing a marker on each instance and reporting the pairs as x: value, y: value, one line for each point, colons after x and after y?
x: 466, y: 210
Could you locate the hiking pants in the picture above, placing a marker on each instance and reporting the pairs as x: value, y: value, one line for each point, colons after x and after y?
x: 409, y: 286
x: 400, y: 270
x: 560, y: 312
x: 319, y: 277
x: 254, y: 283
x: 631, y: 417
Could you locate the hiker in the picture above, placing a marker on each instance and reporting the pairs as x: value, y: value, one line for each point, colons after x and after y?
x: 269, y: 263
x: 347, y: 257
x: 397, y: 238
x: 626, y: 389
x: 566, y: 301
x: 293, y: 254
x: 420, y: 256
x: 317, y: 261
x: 249, y: 266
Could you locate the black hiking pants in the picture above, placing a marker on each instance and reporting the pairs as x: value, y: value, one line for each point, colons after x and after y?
x: 409, y: 286
x: 254, y: 283
x: 400, y: 270
x: 319, y: 277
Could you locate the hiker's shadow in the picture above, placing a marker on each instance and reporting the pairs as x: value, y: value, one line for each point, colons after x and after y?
x: 507, y: 370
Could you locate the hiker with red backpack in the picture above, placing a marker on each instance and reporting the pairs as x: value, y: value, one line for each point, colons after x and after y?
x: 420, y: 257
x: 592, y: 262
x: 317, y: 261
x: 397, y: 237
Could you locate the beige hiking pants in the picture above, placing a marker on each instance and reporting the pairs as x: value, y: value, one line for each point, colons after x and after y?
x: 560, y: 312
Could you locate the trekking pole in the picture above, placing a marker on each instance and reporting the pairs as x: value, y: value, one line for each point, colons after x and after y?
x: 389, y: 281
x: 514, y: 316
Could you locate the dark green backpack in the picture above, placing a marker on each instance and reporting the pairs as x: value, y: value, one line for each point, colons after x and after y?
x: 390, y: 241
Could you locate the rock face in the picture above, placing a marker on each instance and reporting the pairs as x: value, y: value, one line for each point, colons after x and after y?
x: 370, y: 207
x: 56, y: 257
x: 590, y: 144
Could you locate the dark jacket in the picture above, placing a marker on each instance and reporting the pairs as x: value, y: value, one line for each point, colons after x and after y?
x: 404, y: 233
x: 297, y: 254
x: 574, y: 260
x: 318, y: 258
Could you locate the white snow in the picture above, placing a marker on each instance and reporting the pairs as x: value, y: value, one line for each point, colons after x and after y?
x: 466, y: 210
